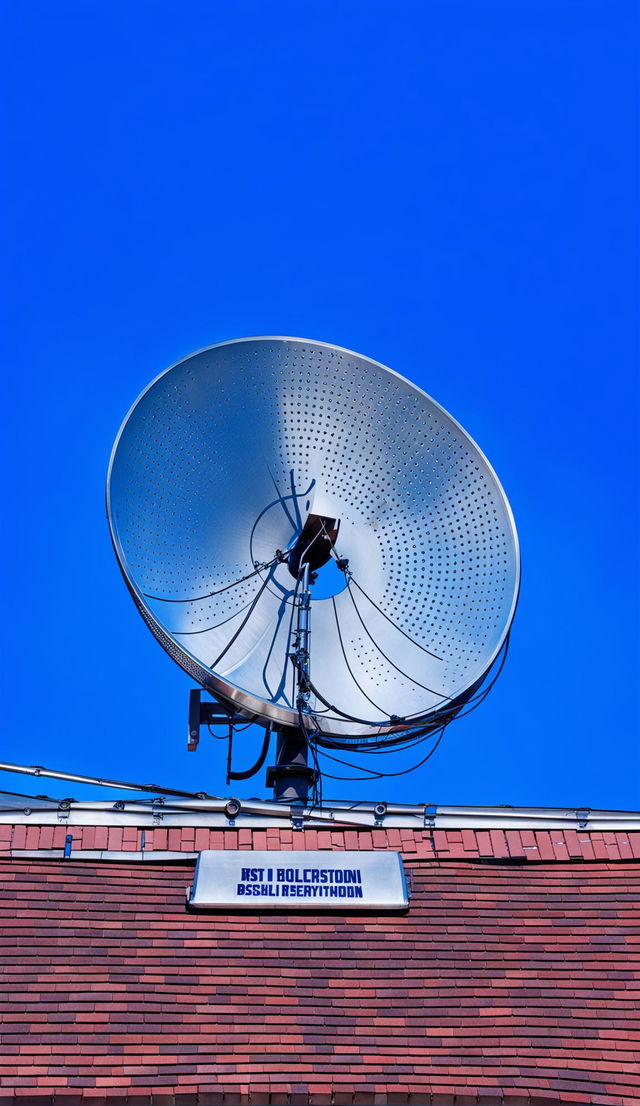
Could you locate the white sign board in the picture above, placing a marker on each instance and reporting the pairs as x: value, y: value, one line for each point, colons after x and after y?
x: 299, y: 880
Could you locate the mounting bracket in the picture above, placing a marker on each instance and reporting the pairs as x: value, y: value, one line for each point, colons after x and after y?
x: 207, y: 714
x: 430, y: 811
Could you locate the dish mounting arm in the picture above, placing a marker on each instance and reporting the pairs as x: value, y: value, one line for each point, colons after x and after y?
x: 291, y: 775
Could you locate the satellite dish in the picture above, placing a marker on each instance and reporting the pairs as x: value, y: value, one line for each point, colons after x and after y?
x: 313, y: 539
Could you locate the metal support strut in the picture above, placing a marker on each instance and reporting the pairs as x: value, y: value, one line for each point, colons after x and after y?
x: 291, y: 775
x: 302, y: 640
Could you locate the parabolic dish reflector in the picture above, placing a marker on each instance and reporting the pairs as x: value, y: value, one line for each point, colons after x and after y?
x: 220, y: 463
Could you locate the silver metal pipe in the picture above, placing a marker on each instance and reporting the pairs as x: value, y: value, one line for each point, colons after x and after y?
x: 74, y: 777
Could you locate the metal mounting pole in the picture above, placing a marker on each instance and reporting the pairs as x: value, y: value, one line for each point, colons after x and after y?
x: 291, y: 775
x: 302, y: 640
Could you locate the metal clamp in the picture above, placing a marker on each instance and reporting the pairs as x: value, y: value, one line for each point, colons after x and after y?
x: 430, y: 811
x: 379, y: 811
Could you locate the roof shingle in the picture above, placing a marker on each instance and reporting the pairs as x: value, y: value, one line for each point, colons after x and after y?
x: 506, y: 978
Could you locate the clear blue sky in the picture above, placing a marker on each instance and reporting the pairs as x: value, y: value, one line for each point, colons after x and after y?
x: 450, y: 188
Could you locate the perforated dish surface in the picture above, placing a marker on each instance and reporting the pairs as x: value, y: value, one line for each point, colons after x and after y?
x: 219, y: 463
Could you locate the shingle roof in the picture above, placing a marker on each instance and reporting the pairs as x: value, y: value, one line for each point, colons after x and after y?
x: 512, y: 978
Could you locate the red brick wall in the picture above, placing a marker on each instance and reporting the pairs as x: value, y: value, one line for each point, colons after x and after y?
x: 465, y: 844
x: 506, y: 981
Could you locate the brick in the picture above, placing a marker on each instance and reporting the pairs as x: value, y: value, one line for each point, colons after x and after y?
x: 19, y: 839
x: 201, y: 839
x: 611, y: 845
x: 499, y: 847
x: 87, y: 838
x: 515, y: 844
x: 469, y: 842
x: 545, y: 847
x: 114, y: 839
x: 499, y: 976
x: 572, y: 842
